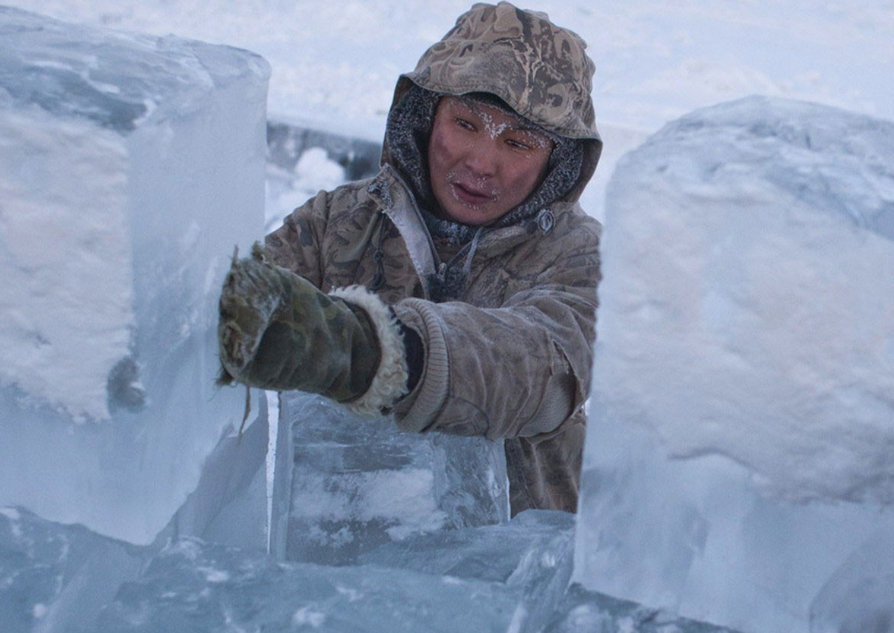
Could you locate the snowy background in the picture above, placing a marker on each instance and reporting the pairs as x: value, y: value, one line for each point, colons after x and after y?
x: 335, y: 63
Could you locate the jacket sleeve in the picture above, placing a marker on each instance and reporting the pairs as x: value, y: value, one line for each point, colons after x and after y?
x: 519, y: 370
x: 297, y: 244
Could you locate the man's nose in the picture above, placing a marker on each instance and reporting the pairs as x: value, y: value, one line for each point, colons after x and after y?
x: 483, y: 156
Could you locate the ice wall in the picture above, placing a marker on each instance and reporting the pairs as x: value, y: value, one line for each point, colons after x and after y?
x: 739, y: 458
x: 130, y: 166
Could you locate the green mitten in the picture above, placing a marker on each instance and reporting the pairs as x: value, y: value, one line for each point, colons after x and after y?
x: 278, y: 331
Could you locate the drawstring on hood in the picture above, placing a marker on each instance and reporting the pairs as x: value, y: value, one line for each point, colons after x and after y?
x: 449, y: 281
x: 378, y: 255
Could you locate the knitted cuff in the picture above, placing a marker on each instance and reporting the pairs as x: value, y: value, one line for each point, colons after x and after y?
x: 418, y: 411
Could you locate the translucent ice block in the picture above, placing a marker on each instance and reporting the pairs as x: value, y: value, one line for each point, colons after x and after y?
x: 530, y: 557
x: 130, y: 166
x: 229, y: 503
x: 739, y: 452
x: 355, y: 483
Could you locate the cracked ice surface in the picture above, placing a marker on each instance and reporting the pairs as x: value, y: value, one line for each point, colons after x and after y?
x: 129, y: 168
x: 494, y: 578
x: 739, y: 458
x: 57, y: 578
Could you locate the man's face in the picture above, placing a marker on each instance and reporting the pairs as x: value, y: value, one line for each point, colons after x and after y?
x: 483, y: 161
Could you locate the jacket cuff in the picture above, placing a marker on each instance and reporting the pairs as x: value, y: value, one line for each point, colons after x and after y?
x: 390, y: 381
x: 418, y: 411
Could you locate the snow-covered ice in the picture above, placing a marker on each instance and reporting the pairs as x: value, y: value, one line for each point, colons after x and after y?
x: 739, y: 454
x: 130, y: 166
x: 353, y: 483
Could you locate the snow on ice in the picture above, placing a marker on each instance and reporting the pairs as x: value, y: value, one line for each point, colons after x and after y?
x: 739, y: 450
x: 130, y: 166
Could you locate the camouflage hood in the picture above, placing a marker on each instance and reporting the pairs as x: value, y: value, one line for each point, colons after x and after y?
x: 540, y: 70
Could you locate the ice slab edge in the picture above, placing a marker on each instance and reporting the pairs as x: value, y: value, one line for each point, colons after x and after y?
x: 57, y: 578
x: 496, y: 578
x: 130, y: 168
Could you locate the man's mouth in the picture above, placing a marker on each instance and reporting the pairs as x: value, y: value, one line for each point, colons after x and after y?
x: 470, y: 195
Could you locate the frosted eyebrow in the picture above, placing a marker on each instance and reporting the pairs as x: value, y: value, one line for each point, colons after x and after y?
x: 517, y: 123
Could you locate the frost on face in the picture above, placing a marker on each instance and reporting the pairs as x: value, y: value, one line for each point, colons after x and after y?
x: 480, y: 184
x: 530, y: 133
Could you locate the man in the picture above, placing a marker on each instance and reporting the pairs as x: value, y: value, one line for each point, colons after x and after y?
x: 457, y: 288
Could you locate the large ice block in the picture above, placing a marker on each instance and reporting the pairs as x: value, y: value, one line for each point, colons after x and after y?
x: 353, y: 483
x: 739, y: 454
x: 504, y: 578
x: 130, y: 167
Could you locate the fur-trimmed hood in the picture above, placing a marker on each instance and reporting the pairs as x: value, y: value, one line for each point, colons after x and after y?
x: 540, y: 70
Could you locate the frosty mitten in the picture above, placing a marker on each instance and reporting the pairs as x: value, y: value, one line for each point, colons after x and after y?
x: 252, y: 292
x: 346, y: 346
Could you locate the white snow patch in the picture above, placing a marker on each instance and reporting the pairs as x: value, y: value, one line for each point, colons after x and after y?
x: 352, y: 594
x: 307, y: 616
x: 214, y: 575
x: 63, y: 219
x: 11, y: 513
x: 313, y: 172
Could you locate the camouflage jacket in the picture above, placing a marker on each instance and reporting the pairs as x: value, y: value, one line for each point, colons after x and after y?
x: 511, y: 358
